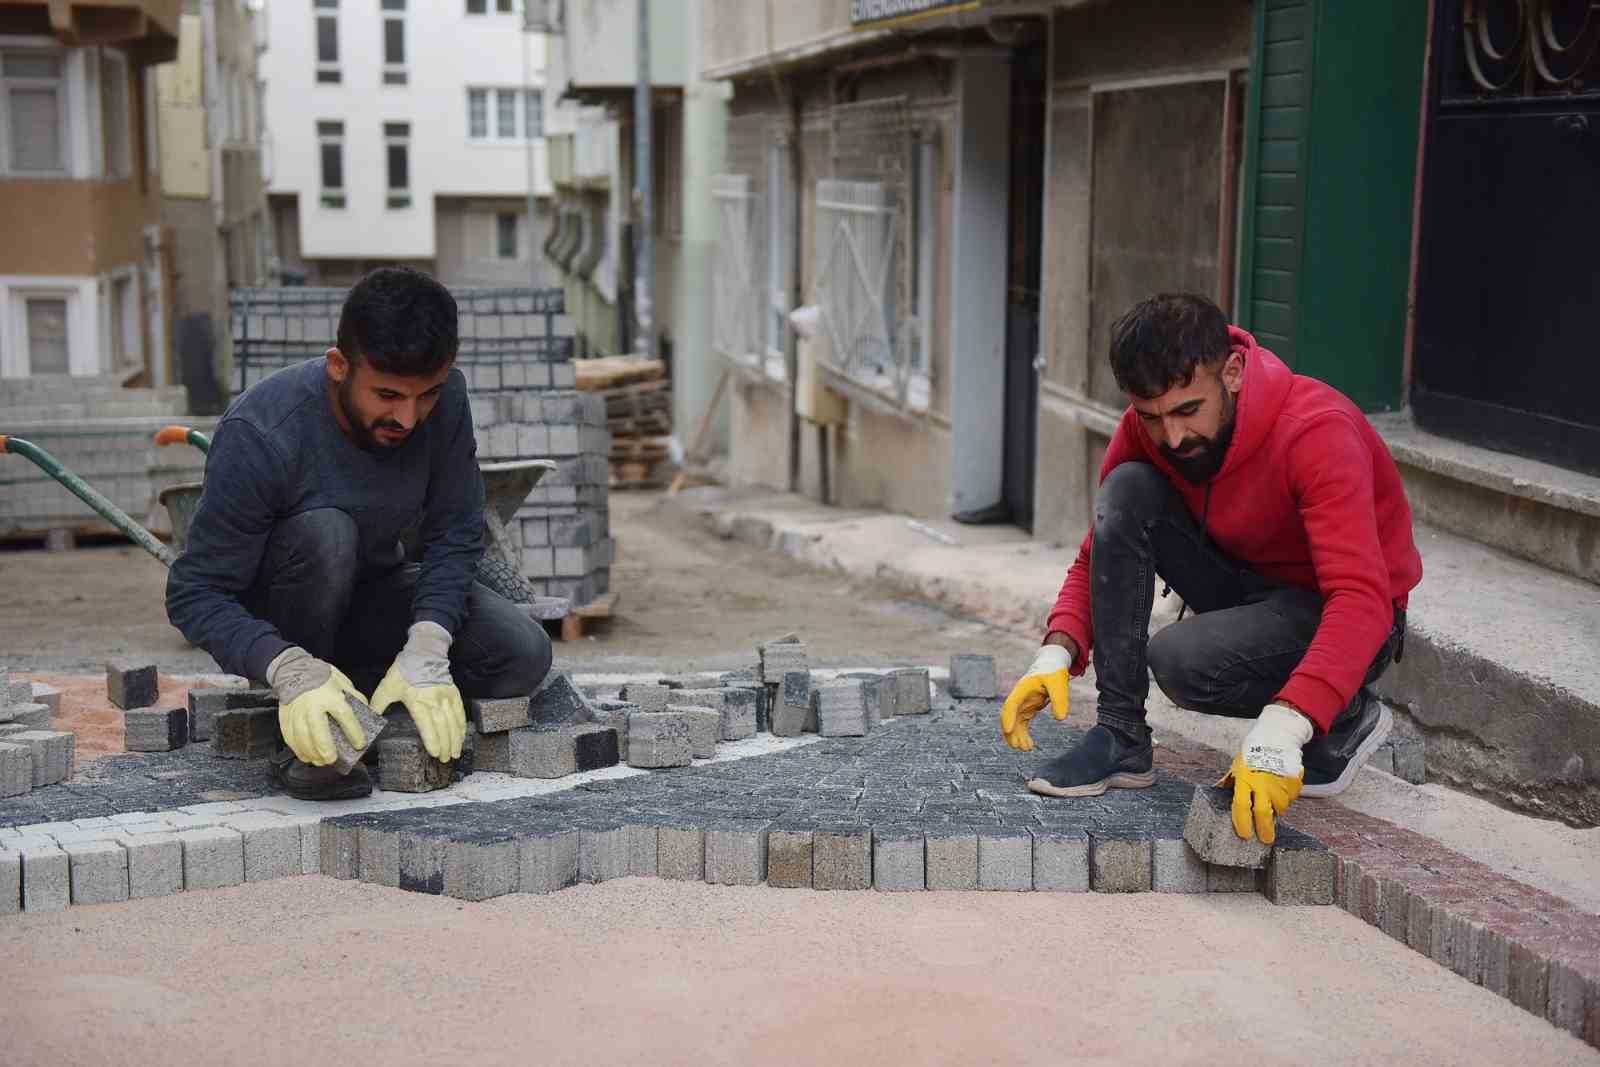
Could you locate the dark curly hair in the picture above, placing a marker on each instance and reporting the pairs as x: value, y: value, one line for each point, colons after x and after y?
x: 1160, y: 343
x: 400, y: 321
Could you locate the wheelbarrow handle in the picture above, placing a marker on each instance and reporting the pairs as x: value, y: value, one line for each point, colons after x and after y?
x: 174, y: 435
x: 89, y: 495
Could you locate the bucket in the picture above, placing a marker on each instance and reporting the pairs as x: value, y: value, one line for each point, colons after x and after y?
x: 180, y: 501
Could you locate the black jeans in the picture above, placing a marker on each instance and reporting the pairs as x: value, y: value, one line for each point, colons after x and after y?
x: 1247, y: 634
x: 310, y: 588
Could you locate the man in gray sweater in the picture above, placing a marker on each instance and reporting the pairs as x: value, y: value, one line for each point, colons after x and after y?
x: 296, y: 561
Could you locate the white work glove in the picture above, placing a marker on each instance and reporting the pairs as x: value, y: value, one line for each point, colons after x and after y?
x: 309, y: 693
x: 1267, y: 773
x: 1274, y: 742
x: 420, y: 679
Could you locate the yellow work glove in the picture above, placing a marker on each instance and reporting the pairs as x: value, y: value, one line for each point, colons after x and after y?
x: 1045, y: 683
x: 1267, y: 773
x: 420, y: 679
x: 309, y: 693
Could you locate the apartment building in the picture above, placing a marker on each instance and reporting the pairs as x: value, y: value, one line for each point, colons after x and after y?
x: 404, y: 131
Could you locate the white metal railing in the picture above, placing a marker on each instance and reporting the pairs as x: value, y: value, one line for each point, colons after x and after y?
x: 856, y: 285
x: 736, y: 322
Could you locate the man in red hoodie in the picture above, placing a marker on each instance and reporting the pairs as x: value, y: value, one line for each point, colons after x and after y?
x: 1270, y: 505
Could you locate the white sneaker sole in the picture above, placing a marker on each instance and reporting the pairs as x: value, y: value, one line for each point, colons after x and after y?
x: 1379, y: 734
x: 1120, y: 780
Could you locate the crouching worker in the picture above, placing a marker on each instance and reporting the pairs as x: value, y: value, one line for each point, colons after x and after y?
x: 295, y: 570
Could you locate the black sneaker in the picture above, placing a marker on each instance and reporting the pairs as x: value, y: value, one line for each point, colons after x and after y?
x: 305, y: 782
x: 1104, y: 759
x: 1332, y: 761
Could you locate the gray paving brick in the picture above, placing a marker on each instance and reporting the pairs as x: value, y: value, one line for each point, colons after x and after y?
x: 1005, y: 860
x: 98, y: 871
x: 739, y: 713
x: 421, y: 861
x: 1209, y: 831
x: 705, y: 726
x: 898, y: 861
x: 53, y: 753
x: 46, y: 878
x: 212, y: 858
x: 594, y: 746
x: 1176, y: 868
x: 373, y: 724
x: 1300, y: 876
x: 602, y: 853
x: 249, y: 733
x: 130, y: 684
x: 875, y: 689
x: 952, y: 856
x: 340, y: 850
x: 842, y: 708
x: 1119, y: 864
x: 780, y: 658
x: 912, y: 691
x: 543, y: 752
x: 1060, y: 862
x: 271, y: 850
x: 16, y: 769
x: 378, y: 849
x: 681, y: 853
x: 26, y: 716
x: 155, y: 729
x: 972, y: 677
x: 658, y: 739
x: 841, y: 858
x: 789, y: 859
x: 736, y: 853
x: 204, y: 704
x: 481, y: 869
x: 648, y: 696
x: 493, y: 753
x: 155, y: 865
x: 10, y: 882
x: 548, y: 861
x: 499, y: 715
x: 792, y: 709
x: 404, y: 766
x: 642, y: 849
x: 558, y: 701
x: 1221, y: 879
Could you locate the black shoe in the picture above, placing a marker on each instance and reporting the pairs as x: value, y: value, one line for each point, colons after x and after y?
x: 1332, y: 761
x: 1104, y: 759
x: 305, y: 782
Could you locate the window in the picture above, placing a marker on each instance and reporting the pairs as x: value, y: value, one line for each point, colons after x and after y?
x: 394, y: 42
x: 327, y: 12
x: 477, y: 7
x: 481, y: 7
x: 33, y: 123
x: 397, y: 149
x: 126, y: 347
x: 46, y: 319
x: 330, y: 141
x: 505, y: 235
x: 509, y: 116
x: 115, y: 125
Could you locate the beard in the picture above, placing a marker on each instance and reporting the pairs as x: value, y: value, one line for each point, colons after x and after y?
x: 362, y: 432
x: 1198, y: 459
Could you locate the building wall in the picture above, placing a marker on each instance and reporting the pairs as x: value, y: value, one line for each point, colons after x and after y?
x: 467, y: 242
x: 737, y: 31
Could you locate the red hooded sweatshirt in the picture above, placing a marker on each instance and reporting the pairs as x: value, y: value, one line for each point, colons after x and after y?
x: 1307, y: 495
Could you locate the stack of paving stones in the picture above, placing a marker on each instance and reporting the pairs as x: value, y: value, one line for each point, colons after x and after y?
x: 31, y: 754
x: 550, y: 734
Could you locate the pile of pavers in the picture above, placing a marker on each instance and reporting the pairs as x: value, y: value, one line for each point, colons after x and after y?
x: 31, y: 753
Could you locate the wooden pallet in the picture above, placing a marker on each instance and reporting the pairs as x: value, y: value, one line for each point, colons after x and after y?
x: 609, y: 372
x: 597, y: 611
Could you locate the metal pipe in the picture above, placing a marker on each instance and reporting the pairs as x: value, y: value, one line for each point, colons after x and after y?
x: 644, y: 251
x: 89, y: 495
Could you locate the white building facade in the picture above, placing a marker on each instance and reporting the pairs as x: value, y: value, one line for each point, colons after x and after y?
x: 405, y: 131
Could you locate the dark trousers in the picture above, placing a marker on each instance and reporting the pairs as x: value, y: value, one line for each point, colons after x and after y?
x: 1247, y: 633
x: 310, y: 588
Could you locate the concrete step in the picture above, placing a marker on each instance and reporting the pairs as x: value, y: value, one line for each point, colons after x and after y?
x: 1542, y: 513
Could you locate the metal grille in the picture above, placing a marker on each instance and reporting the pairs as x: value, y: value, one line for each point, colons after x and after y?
x: 859, y: 235
x: 739, y: 269
x: 277, y: 327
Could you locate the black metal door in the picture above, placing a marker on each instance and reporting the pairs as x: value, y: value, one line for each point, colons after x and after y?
x: 1507, y: 351
x: 1022, y: 301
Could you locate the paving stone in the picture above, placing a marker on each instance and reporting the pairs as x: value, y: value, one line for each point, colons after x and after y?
x: 548, y: 861
x: 1119, y: 864
x: 373, y: 726
x: 1209, y: 831
x: 404, y: 766
x: 1005, y: 860
x: 1300, y: 875
x: 52, y: 753
x: 155, y: 729
x: 1223, y: 879
x: 691, y: 682
x: 340, y: 848
x: 26, y: 716
x: 614, y: 714
x: 421, y: 861
x: 48, y: 695
x: 705, y: 726
x: 789, y: 859
x: 972, y: 677
x: 681, y: 853
x: 131, y: 685
x: 841, y: 858
x: 98, y: 872
x: 1176, y: 868
x: 659, y: 739
x: 952, y: 857
x: 912, y: 691
x: 499, y: 715
x: 594, y: 746
x: 16, y: 769
x: 543, y: 752
x: 648, y: 696
x: 793, y: 707
x: 212, y: 858
x: 250, y: 733
x: 898, y: 861
x: 155, y: 865
x: 204, y: 704
x: 14, y: 689
x: 494, y: 753
x: 558, y: 701
x: 46, y: 878
x: 482, y: 867
x: 272, y: 848
x: 602, y: 853
x: 841, y: 708
x: 1410, y: 759
x: 876, y: 691
x: 378, y: 848
x: 10, y: 882
x: 1060, y: 862
x: 642, y: 849
x: 778, y: 659
x: 739, y: 713
x: 736, y: 853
